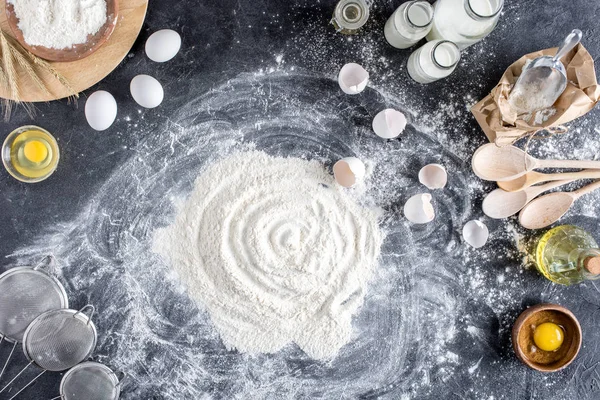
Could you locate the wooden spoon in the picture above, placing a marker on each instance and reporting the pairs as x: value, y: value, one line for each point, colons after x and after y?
x: 500, y: 204
x: 548, y: 209
x: 533, y: 177
x: 493, y: 163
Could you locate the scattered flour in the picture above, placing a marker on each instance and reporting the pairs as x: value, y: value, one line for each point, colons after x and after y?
x: 59, y: 24
x: 275, y: 251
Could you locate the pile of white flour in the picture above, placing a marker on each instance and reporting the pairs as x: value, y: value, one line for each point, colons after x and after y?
x: 59, y: 24
x: 275, y: 251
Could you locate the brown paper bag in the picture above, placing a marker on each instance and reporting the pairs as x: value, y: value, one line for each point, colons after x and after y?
x: 500, y: 122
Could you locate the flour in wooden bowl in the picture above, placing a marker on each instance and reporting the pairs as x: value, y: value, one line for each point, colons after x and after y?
x: 275, y: 251
x: 59, y: 24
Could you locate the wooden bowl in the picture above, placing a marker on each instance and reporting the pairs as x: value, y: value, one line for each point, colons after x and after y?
x: 76, y: 52
x: 522, y: 337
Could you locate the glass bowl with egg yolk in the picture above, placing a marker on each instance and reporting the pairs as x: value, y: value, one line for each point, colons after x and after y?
x: 30, y: 154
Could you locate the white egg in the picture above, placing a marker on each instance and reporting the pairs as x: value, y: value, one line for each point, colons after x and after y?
x: 100, y: 110
x: 418, y: 209
x: 163, y: 45
x: 349, y: 171
x: 146, y: 91
x: 475, y: 233
x: 389, y: 123
x: 353, y: 78
x: 433, y: 176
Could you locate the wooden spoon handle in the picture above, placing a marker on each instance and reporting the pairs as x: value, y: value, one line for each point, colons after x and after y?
x: 579, y: 164
x: 586, y: 189
x: 571, y: 176
x: 548, y: 186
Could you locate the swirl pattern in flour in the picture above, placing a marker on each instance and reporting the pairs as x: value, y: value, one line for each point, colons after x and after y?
x: 276, y: 252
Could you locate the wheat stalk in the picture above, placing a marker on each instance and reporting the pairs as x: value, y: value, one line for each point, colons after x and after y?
x: 28, y: 67
x: 46, y: 66
x: 6, y: 103
x: 12, y: 51
x: 9, y: 69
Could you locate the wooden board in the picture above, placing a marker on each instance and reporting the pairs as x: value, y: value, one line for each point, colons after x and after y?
x: 88, y: 71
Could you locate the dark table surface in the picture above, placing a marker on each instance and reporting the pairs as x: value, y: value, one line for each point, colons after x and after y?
x: 262, y: 72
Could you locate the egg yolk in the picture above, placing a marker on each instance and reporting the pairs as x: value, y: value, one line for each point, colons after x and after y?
x: 35, y: 151
x: 548, y: 336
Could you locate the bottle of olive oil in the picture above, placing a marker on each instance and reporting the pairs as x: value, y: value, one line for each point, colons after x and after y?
x: 568, y: 255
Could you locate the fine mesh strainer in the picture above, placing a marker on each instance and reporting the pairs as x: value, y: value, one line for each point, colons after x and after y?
x: 58, y: 340
x: 89, y: 381
x: 25, y: 294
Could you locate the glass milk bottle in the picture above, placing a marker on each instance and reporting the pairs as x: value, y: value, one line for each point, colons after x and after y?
x: 464, y: 22
x: 432, y: 61
x: 350, y: 15
x: 410, y: 23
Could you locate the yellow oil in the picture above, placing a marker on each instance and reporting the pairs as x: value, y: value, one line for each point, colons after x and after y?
x: 560, y: 252
x: 34, y: 153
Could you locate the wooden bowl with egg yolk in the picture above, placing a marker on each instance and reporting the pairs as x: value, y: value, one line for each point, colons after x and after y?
x: 523, y: 341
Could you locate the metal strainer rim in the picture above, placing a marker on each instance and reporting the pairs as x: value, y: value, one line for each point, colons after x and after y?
x: 72, y: 313
x: 109, y: 372
x: 60, y: 289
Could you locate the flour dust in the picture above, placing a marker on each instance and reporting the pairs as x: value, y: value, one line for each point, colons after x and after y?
x: 276, y: 251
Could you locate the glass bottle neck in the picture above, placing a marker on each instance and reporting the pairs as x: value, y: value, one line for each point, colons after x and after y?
x: 588, y: 262
x: 412, y: 11
x: 479, y: 14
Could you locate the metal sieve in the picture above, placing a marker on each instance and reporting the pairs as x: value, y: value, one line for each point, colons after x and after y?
x: 58, y: 340
x: 90, y: 381
x: 25, y: 294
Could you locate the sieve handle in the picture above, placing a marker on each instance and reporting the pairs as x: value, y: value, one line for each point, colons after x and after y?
x: 87, y: 307
x: 8, y: 358
x: 45, y: 263
x: 15, y: 378
x: 29, y: 384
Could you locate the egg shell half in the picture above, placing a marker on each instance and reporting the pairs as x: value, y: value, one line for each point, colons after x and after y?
x: 475, y: 233
x: 353, y: 78
x: 433, y: 176
x: 348, y: 171
x: 418, y: 209
x: 100, y: 110
x: 389, y: 123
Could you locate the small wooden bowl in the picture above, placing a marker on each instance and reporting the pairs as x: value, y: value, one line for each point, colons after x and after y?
x: 522, y: 337
x: 78, y: 51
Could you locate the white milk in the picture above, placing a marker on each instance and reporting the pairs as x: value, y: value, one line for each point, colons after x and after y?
x: 422, y: 67
x: 408, y: 24
x: 454, y: 21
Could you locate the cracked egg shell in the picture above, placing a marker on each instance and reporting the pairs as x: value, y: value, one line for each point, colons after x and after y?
x: 418, y: 209
x: 475, y: 233
x: 353, y: 78
x: 349, y: 171
x: 389, y: 123
x: 433, y: 176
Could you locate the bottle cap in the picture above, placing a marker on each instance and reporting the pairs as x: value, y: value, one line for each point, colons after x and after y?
x: 592, y: 264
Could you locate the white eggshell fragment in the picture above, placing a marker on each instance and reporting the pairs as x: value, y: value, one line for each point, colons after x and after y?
x: 349, y: 171
x: 475, y: 233
x: 163, y: 45
x: 389, y: 123
x: 433, y: 176
x: 418, y: 209
x: 146, y: 91
x: 353, y: 78
x: 100, y: 110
